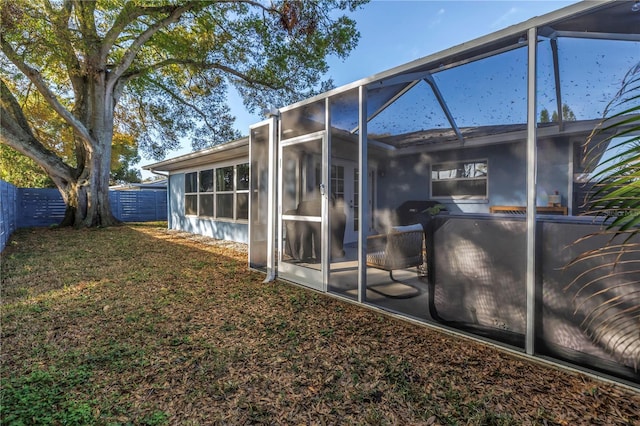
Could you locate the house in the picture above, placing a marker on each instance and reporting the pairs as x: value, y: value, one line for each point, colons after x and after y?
x: 484, y: 129
x: 192, y: 194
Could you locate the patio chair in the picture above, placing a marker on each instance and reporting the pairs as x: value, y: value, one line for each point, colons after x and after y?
x: 401, y: 248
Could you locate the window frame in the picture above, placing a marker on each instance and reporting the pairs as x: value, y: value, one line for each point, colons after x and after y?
x: 214, y: 193
x: 202, y: 192
x: 221, y: 192
x: 189, y: 194
x: 457, y: 164
x: 236, y: 180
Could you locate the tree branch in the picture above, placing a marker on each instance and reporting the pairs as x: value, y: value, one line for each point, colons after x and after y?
x: 60, y: 21
x: 130, y: 54
x: 129, y: 13
x: 36, y: 78
x: 182, y: 101
x: 203, y: 66
x: 86, y: 15
x: 253, y: 3
x: 17, y: 134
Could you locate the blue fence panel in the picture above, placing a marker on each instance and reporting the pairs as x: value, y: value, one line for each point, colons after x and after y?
x: 139, y: 206
x: 44, y: 207
x: 39, y: 207
x: 32, y: 207
x: 8, y: 215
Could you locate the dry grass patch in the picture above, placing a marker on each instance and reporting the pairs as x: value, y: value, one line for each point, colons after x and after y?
x: 139, y: 325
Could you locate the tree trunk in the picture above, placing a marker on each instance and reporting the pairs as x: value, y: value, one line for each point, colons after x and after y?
x: 87, y: 198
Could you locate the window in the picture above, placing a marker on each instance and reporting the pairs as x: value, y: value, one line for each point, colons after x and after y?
x: 222, y: 192
x: 464, y: 179
x: 191, y: 193
x: 206, y: 193
x: 242, y: 191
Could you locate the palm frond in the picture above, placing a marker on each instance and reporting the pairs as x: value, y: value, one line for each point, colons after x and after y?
x: 606, y: 291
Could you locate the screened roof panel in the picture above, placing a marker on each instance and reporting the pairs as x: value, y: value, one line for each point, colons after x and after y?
x: 446, y: 135
x: 592, y: 71
x: 416, y: 110
x: 486, y: 91
x: 380, y: 95
x: 345, y: 110
x: 490, y: 91
x: 605, y: 20
x: 305, y: 119
x: 547, y: 100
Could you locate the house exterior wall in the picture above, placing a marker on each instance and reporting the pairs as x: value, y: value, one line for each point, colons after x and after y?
x: 409, y: 177
x: 220, y: 229
x: 555, y: 157
x: 402, y: 179
x: 176, y: 200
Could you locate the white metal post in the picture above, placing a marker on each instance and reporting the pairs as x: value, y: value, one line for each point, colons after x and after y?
x: 326, y: 199
x: 271, y: 195
x: 363, y: 211
x: 531, y: 191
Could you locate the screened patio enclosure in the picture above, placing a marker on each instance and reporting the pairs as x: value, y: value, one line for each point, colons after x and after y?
x: 480, y: 148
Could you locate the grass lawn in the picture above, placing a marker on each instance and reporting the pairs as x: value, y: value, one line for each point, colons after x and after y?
x: 139, y: 325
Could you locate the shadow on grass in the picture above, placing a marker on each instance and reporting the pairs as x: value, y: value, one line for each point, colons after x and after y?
x: 139, y: 325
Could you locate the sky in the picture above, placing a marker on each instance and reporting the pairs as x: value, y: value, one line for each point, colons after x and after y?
x: 394, y: 32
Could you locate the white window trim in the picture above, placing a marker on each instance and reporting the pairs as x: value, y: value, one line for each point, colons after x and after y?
x: 215, y: 193
x: 196, y: 194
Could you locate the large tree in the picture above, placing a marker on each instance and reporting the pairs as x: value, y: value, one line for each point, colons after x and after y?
x: 155, y: 71
x: 23, y: 172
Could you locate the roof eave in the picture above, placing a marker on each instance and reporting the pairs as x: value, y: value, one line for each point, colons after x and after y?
x: 234, y: 149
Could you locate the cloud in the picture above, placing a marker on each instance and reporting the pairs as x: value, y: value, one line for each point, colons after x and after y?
x: 438, y: 19
x: 506, y: 17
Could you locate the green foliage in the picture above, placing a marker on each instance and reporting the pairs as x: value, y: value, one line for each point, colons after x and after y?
x: 157, y: 418
x: 609, y: 318
x: 617, y: 182
x: 434, y: 210
x: 22, y: 171
x: 45, y: 397
x: 77, y: 75
x: 176, y: 85
x: 125, y: 175
x: 124, y: 154
x: 567, y: 115
x: 544, y: 116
